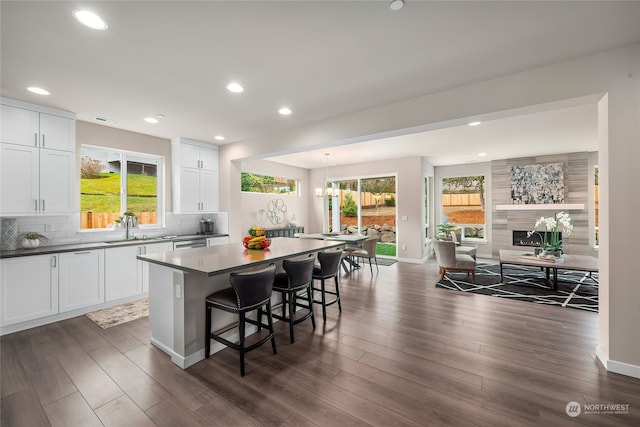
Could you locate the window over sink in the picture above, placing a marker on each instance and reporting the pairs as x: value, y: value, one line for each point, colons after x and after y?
x: 115, y: 181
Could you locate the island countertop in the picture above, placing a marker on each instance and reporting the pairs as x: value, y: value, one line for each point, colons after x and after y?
x: 233, y: 256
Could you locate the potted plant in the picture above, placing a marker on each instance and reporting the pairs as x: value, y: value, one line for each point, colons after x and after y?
x: 33, y: 239
x: 444, y: 231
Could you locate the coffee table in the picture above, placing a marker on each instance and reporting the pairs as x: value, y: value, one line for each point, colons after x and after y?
x: 584, y: 263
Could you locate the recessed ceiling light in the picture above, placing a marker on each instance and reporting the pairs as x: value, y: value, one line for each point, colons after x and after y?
x: 219, y: 138
x: 38, y: 90
x: 482, y: 154
x: 474, y: 123
x: 151, y: 120
x: 396, y: 5
x: 235, y: 87
x: 90, y: 19
x: 285, y: 111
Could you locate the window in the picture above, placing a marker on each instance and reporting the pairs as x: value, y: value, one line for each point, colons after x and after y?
x: 463, y: 205
x: 254, y: 183
x: 115, y: 181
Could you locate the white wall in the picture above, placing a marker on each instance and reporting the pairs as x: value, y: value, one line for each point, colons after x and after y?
x: 610, y: 78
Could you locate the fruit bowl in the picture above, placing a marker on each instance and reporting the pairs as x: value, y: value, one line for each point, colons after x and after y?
x: 252, y: 242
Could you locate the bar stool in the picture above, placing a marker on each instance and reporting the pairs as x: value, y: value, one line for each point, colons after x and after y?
x: 250, y: 290
x: 329, y: 268
x: 298, y: 277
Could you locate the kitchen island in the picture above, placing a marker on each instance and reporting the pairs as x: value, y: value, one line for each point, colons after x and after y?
x: 180, y: 281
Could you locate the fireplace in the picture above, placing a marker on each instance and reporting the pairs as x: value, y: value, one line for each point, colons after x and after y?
x: 520, y: 238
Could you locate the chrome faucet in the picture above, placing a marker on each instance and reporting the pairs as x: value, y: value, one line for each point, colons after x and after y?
x: 130, y: 221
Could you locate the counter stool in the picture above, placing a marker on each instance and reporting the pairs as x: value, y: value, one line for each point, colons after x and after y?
x: 250, y: 290
x: 329, y: 268
x: 298, y: 277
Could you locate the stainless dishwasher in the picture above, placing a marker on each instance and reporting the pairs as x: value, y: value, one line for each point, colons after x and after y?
x: 189, y: 244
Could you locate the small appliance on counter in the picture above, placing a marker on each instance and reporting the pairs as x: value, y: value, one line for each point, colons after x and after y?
x: 206, y: 226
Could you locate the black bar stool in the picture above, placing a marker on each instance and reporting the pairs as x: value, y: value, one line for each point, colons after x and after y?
x: 250, y: 290
x: 298, y: 277
x: 329, y: 268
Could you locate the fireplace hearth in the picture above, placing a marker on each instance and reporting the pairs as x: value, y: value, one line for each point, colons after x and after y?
x: 520, y: 238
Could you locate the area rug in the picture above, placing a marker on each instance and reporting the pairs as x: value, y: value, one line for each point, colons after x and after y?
x: 113, y: 316
x: 575, y: 289
x: 386, y: 261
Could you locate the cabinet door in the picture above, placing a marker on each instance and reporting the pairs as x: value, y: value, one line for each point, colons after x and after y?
x: 81, y: 279
x: 29, y: 288
x: 123, y: 275
x: 57, y: 184
x: 216, y: 241
x: 209, y: 190
x: 189, y: 156
x: 19, y: 174
x: 19, y: 126
x: 208, y: 159
x: 57, y: 133
x: 189, y: 190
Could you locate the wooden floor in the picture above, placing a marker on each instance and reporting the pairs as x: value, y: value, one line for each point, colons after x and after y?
x: 402, y: 353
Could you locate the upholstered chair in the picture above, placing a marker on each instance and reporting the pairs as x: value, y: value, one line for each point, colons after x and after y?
x: 467, y: 250
x: 449, y: 260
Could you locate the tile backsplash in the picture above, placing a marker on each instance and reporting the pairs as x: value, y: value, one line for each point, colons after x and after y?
x: 65, y: 229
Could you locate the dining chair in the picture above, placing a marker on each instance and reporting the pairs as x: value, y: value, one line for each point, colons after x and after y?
x: 368, y: 251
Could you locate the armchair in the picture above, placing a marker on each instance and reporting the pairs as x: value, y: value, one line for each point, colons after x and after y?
x: 449, y: 260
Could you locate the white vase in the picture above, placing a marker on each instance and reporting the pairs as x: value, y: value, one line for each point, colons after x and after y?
x: 30, y: 243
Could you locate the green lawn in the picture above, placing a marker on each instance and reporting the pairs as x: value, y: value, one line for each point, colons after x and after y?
x: 103, y: 194
x: 386, y: 249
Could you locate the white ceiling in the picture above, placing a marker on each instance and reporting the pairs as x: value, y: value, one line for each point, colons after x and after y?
x: 322, y: 58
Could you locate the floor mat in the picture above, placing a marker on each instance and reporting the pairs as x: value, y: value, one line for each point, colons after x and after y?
x: 113, y: 316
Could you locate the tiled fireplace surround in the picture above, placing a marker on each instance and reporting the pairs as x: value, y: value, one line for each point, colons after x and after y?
x: 576, y: 191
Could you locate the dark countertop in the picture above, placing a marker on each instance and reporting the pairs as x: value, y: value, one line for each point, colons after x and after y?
x: 52, y: 249
x: 233, y: 256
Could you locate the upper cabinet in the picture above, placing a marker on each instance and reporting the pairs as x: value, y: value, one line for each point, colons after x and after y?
x: 37, y: 160
x: 32, y: 128
x: 194, y: 169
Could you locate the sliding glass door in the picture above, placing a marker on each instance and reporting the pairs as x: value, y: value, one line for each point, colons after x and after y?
x: 365, y: 206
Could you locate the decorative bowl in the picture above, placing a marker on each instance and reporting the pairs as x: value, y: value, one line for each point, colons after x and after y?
x: 251, y: 242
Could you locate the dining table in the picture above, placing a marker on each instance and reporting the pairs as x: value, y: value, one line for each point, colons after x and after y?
x: 352, y: 241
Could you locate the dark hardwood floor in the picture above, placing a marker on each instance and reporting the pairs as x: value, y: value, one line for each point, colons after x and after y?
x: 402, y: 353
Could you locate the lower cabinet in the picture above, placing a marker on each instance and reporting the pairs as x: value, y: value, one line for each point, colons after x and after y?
x: 215, y: 241
x: 29, y: 288
x: 81, y: 278
x: 125, y: 275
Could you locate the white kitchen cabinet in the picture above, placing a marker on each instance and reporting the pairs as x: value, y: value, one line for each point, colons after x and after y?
x: 125, y: 275
x: 26, y: 124
x: 37, y: 160
x: 195, y: 176
x: 215, y: 241
x: 81, y: 279
x: 29, y: 288
x: 36, y: 181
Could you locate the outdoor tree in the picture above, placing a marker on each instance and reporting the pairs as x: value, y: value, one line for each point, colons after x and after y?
x: 90, y: 168
x: 256, y: 183
x: 378, y: 187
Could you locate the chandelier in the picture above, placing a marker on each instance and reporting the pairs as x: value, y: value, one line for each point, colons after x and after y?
x: 325, y: 191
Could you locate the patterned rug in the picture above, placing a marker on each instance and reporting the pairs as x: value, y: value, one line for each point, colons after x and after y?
x: 521, y: 283
x: 113, y: 316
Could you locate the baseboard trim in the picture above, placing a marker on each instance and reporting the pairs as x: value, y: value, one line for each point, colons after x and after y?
x: 616, y: 367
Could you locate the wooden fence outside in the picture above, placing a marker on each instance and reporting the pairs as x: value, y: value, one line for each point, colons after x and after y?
x: 367, y: 199
x: 466, y: 199
x: 90, y: 219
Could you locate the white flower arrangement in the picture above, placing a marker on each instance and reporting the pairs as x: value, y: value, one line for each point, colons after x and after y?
x: 560, y: 222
